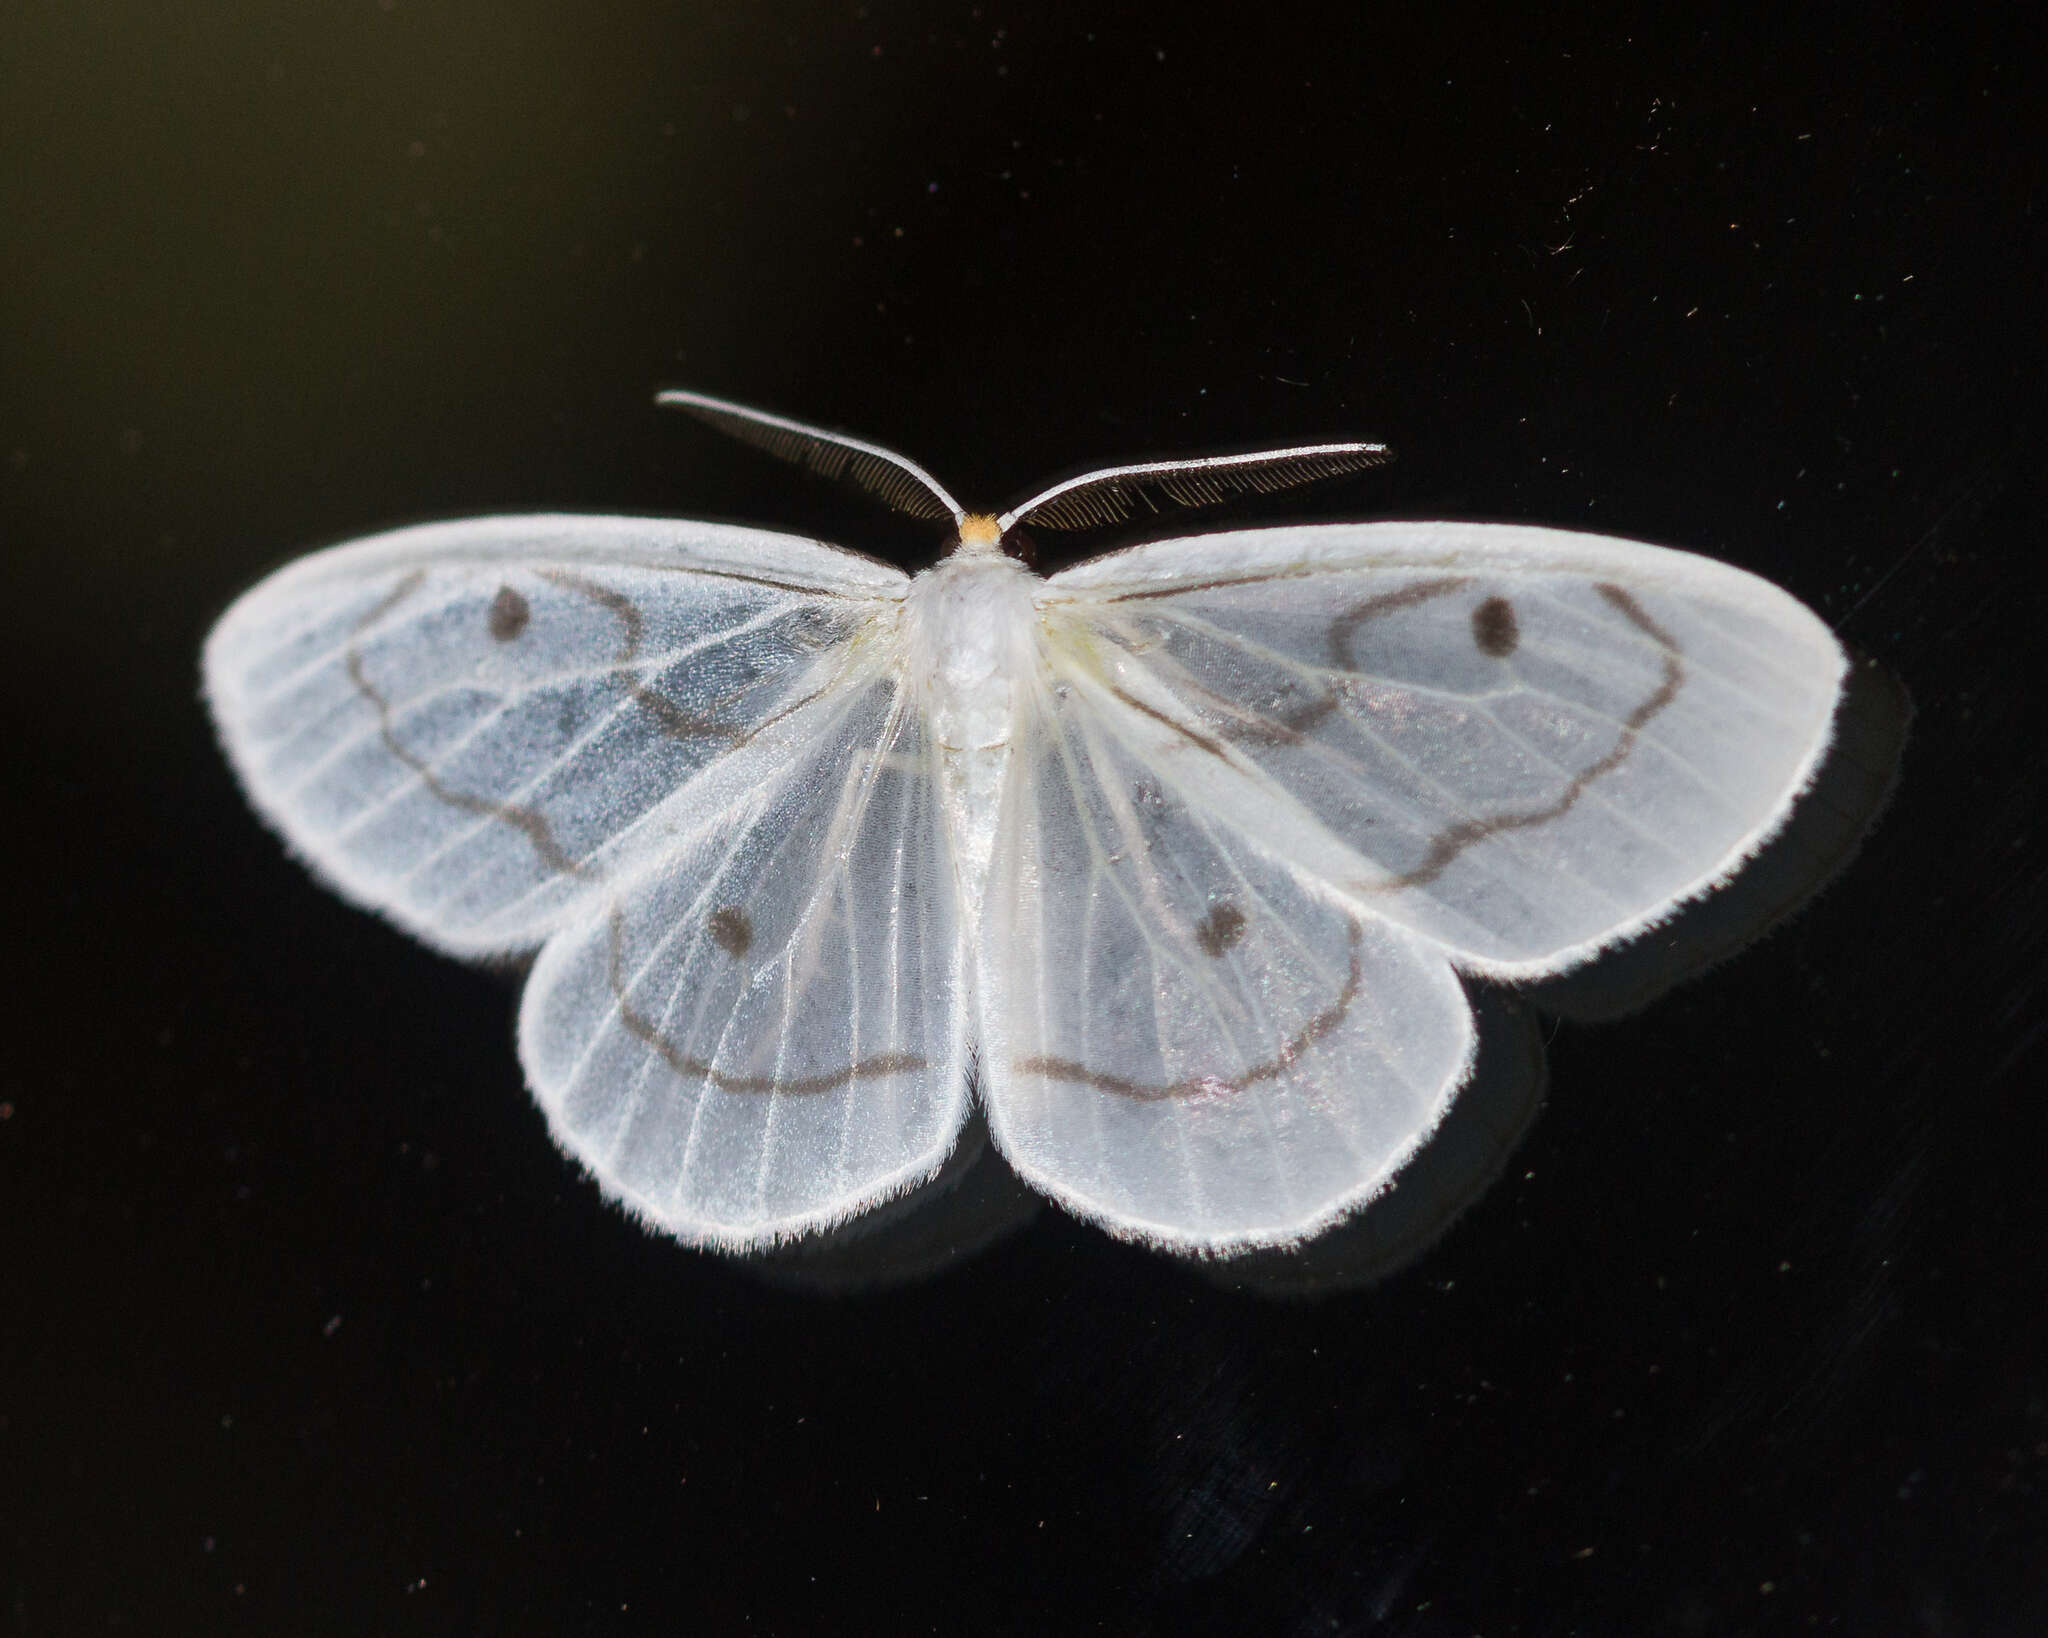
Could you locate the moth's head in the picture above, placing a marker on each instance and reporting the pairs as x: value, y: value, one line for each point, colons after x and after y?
x: 980, y: 534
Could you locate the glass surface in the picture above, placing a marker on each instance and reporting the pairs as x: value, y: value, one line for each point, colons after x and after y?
x: 307, y: 1327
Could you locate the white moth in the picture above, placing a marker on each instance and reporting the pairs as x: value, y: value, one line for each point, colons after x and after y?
x: 1172, y: 860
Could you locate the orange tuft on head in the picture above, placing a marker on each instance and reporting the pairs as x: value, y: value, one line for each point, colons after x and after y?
x: 980, y: 533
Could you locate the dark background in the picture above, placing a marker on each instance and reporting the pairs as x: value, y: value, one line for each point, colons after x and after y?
x: 305, y: 1327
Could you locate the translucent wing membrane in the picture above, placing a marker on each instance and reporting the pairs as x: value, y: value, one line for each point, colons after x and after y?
x: 475, y: 726
x: 1182, y: 1037
x: 893, y: 479
x: 1522, y: 744
x: 667, y: 750
x: 1117, y: 494
x: 1181, y: 852
x: 1281, y: 783
x: 762, y: 1031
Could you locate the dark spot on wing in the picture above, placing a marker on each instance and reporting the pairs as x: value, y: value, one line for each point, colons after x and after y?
x: 677, y: 721
x: 731, y: 931
x: 1448, y: 844
x: 638, y: 1025
x: 529, y: 821
x: 1494, y: 628
x: 1222, y: 927
x: 509, y: 614
x: 1282, y: 1061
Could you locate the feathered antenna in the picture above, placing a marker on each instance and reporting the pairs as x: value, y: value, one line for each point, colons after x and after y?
x: 893, y: 479
x: 1117, y: 493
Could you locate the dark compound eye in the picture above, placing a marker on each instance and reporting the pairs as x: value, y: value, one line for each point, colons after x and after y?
x: 731, y: 931
x: 1222, y: 927
x: 1494, y: 628
x: 509, y: 614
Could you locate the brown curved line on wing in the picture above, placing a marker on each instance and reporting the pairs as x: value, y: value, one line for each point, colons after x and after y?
x: 641, y: 1029
x: 1240, y: 725
x: 533, y: 825
x: 1447, y: 844
x: 755, y: 579
x: 1300, y: 571
x: 1066, y: 1069
x: 1421, y: 591
x: 1216, y: 584
x: 672, y: 719
x: 1287, y: 728
x: 788, y: 710
x: 1203, y: 741
x: 1342, y: 628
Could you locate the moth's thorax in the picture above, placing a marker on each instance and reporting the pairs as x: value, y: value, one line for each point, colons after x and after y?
x: 972, y: 639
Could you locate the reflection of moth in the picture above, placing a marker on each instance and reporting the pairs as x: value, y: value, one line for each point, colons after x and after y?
x: 1173, y: 858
